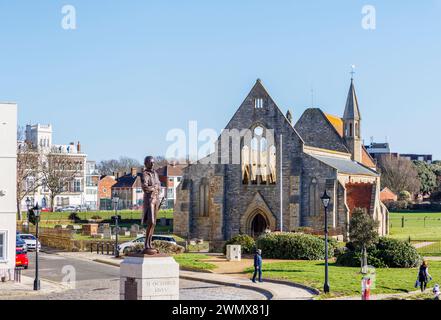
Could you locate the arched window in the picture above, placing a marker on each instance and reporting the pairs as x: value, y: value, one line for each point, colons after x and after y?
x: 314, y: 205
x: 203, y: 197
x: 258, y: 159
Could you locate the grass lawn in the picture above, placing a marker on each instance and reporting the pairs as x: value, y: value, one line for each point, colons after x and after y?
x: 193, y: 261
x: 346, y: 281
x: 414, y: 226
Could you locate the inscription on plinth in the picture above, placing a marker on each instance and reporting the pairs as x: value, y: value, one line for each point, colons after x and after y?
x: 148, y: 278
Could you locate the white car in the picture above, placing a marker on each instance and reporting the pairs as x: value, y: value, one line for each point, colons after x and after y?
x: 31, y: 241
x: 125, y: 247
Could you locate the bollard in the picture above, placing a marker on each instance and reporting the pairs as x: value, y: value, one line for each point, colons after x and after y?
x: 107, y: 248
x: 97, y: 248
x: 102, y: 248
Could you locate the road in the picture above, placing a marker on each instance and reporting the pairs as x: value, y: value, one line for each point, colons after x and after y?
x: 97, y: 281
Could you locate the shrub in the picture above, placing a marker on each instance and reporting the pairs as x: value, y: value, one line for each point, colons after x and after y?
x: 295, y: 246
x: 74, y: 216
x: 96, y: 217
x: 397, y: 205
x: 307, y: 230
x: 387, y: 252
x: 246, y: 242
x: 404, y: 196
x: 163, y: 247
x: 397, y: 253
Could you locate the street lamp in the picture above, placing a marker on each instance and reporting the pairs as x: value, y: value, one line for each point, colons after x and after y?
x: 115, y: 201
x: 37, y: 211
x: 325, y: 200
x: 28, y: 206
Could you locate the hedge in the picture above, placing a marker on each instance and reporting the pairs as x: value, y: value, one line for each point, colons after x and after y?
x: 387, y: 252
x: 294, y: 246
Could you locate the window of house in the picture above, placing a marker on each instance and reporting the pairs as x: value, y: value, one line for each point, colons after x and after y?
x: 258, y: 160
x: 314, y: 201
x: 258, y: 103
x: 3, y: 245
x: 77, y: 185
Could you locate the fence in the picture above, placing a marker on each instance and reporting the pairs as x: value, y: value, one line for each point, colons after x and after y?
x: 99, y: 247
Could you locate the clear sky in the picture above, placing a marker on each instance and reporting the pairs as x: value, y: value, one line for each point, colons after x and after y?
x: 132, y: 70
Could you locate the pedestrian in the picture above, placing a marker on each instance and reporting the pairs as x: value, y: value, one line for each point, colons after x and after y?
x: 424, y: 276
x: 258, y: 265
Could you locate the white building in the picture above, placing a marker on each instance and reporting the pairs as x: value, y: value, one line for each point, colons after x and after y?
x: 91, y: 189
x: 40, y: 136
x: 8, y: 163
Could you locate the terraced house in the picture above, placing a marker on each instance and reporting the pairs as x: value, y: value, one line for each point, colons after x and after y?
x: 283, y: 170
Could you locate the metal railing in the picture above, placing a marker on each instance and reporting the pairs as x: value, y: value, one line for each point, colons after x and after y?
x: 107, y: 248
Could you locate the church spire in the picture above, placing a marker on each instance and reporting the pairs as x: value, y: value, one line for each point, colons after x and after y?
x: 352, y: 123
x: 351, y: 110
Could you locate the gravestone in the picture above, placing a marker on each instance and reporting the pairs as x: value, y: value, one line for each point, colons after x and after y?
x: 149, y: 278
x: 90, y: 229
x: 107, y: 231
x: 134, y: 230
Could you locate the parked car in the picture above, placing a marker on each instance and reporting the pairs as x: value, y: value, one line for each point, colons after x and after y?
x: 68, y: 209
x: 46, y: 210
x: 31, y: 241
x: 20, y: 244
x: 21, y: 259
x: 125, y: 247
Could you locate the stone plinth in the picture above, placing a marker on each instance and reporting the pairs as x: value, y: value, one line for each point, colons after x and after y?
x: 149, y: 278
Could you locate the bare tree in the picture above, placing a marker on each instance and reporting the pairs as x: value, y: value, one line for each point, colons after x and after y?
x: 59, y: 173
x: 28, y: 173
x: 399, y: 174
x: 124, y: 164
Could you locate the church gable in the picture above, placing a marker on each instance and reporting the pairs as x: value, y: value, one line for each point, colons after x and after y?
x: 317, y: 131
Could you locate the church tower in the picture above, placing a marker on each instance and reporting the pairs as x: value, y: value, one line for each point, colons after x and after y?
x: 352, y: 122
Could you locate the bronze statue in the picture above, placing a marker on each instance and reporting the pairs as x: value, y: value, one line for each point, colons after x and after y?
x: 151, y: 187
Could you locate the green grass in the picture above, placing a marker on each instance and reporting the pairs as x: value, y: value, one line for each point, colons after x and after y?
x: 346, y: 281
x: 193, y: 261
x: 414, y: 226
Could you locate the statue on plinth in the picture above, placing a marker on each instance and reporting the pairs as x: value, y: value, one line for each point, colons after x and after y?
x: 152, y: 188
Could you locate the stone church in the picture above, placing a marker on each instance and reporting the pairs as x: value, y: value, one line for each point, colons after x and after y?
x: 282, y: 171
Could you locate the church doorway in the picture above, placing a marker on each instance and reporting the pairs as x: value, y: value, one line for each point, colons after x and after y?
x: 258, y: 225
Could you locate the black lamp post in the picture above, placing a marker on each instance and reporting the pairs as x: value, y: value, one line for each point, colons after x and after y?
x: 325, y: 200
x: 37, y: 211
x: 115, y: 201
x: 28, y: 206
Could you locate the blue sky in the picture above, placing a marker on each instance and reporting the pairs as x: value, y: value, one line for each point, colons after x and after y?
x: 175, y: 61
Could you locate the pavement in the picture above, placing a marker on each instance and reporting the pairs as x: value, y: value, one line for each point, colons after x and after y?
x: 76, y: 276
x: 272, y: 289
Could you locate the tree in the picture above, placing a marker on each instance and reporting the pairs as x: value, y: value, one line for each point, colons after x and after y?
x: 59, y: 171
x: 124, y: 164
x: 399, y: 174
x: 363, y: 232
x: 426, y: 176
x: 28, y: 173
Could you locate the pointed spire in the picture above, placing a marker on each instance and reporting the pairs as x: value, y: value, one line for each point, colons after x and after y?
x: 351, y: 110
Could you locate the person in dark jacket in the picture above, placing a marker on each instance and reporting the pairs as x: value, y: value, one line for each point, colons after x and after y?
x: 258, y: 265
x: 424, y: 276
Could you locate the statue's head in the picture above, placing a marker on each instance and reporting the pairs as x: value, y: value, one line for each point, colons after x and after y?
x: 149, y: 161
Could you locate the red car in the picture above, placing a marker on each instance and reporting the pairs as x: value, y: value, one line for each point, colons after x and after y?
x: 21, y: 259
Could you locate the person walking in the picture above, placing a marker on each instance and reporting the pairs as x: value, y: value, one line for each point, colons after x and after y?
x: 258, y: 265
x: 423, y: 275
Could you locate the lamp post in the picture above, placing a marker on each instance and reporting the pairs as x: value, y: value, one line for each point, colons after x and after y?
x: 37, y: 211
x: 325, y: 200
x: 115, y: 201
x: 28, y: 206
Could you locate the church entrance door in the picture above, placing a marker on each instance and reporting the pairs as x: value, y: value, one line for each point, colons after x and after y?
x: 258, y: 225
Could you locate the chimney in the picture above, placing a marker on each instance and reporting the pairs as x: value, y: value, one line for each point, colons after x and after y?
x: 78, y: 147
x: 134, y: 171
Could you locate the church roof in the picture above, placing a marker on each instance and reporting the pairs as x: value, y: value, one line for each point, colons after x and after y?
x: 347, y: 166
x: 337, y: 122
x: 351, y: 110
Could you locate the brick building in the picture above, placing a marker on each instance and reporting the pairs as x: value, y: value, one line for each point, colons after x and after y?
x: 105, y: 185
x: 219, y: 199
